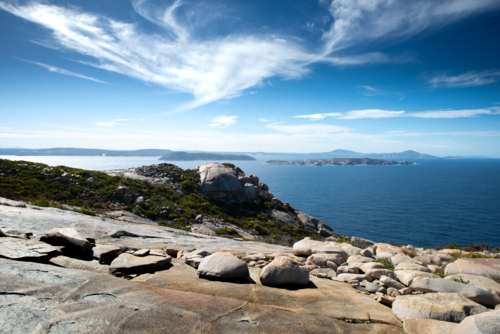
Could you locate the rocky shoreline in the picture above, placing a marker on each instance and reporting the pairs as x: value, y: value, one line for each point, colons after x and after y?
x: 340, y: 162
x: 115, y: 271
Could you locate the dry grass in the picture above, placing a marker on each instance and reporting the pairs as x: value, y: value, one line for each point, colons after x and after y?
x: 411, y: 252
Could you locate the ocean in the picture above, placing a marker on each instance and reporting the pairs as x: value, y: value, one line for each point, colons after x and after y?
x: 436, y: 202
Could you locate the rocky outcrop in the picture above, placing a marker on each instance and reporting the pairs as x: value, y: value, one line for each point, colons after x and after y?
x: 428, y: 326
x: 220, y: 182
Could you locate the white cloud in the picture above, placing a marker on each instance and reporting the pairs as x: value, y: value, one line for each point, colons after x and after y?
x: 222, y: 121
x: 265, y: 120
x: 124, y: 120
x: 62, y: 71
x: 105, y: 123
x: 359, y: 22
x: 223, y: 67
x: 378, y: 113
x: 468, y: 79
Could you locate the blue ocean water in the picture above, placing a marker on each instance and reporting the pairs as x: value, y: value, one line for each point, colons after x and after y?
x: 436, y: 202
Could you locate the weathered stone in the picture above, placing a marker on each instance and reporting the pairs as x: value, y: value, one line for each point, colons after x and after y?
x: 283, y: 217
x: 320, y: 271
x: 347, y: 270
x: 20, y: 249
x: 130, y: 264
x: 434, y: 258
x: 484, y: 323
x: 142, y: 252
x: 489, y: 271
x: 350, y: 250
x: 69, y: 237
x: 401, y: 258
x: 195, y: 262
x: 455, y: 252
x: 250, y: 192
x: 407, y: 276
x: 371, y: 265
x: 70, y: 263
x: 452, y: 307
x: 393, y: 292
x: 220, y: 182
x: 435, y: 269
x: 384, y: 299
x: 282, y: 271
x: 353, y: 277
x: 307, y: 247
x: 360, y: 259
x: 315, y: 224
x: 372, y: 287
x: 391, y: 283
x: 440, y: 285
x: 481, y: 282
x: 321, y: 260
x: 223, y: 265
x: 105, y: 253
x: 378, y: 273
x: 366, y: 252
x: 412, y: 266
x: 428, y: 326
x: 173, y: 250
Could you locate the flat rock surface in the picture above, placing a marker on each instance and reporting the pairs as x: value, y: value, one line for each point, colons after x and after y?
x: 128, y: 263
x: 320, y: 297
x: 70, y: 263
x: 17, y: 248
x: 38, y: 220
x: 477, y: 268
x: 481, y: 282
x: 38, y: 298
x: 428, y: 326
x: 452, y: 307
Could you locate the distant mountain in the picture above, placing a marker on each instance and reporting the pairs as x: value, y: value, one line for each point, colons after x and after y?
x: 184, y: 156
x: 403, y: 155
x: 69, y: 151
x: 339, y: 162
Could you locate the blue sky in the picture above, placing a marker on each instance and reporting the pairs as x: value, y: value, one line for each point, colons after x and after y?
x: 275, y: 76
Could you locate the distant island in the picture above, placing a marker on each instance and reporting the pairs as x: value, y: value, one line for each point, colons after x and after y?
x: 82, y: 152
x: 339, y: 162
x: 184, y: 156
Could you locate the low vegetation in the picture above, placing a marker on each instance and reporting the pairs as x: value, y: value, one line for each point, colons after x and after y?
x: 387, y: 263
x: 94, y: 192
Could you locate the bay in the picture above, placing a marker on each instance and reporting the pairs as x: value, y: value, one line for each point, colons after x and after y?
x: 435, y: 202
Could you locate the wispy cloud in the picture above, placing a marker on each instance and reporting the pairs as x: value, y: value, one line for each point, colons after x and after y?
x: 468, y: 79
x: 62, y: 71
x: 372, y: 91
x: 378, y: 113
x: 377, y: 21
x: 222, y: 121
x: 223, y: 67
x: 265, y: 120
x: 124, y: 120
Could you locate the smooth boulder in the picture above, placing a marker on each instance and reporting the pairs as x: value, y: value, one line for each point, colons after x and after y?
x: 222, y: 265
x: 407, y: 276
x: 220, y: 182
x: 282, y: 271
x: 490, y: 271
x: 484, y: 323
x: 481, y: 282
x: 452, y: 307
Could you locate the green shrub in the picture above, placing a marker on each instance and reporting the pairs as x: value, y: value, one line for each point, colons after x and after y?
x: 87, y: 211
x: 387, y: 263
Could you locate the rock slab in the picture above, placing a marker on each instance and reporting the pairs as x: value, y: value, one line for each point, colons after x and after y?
x: 19, y: 249
x: 131, y: 264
